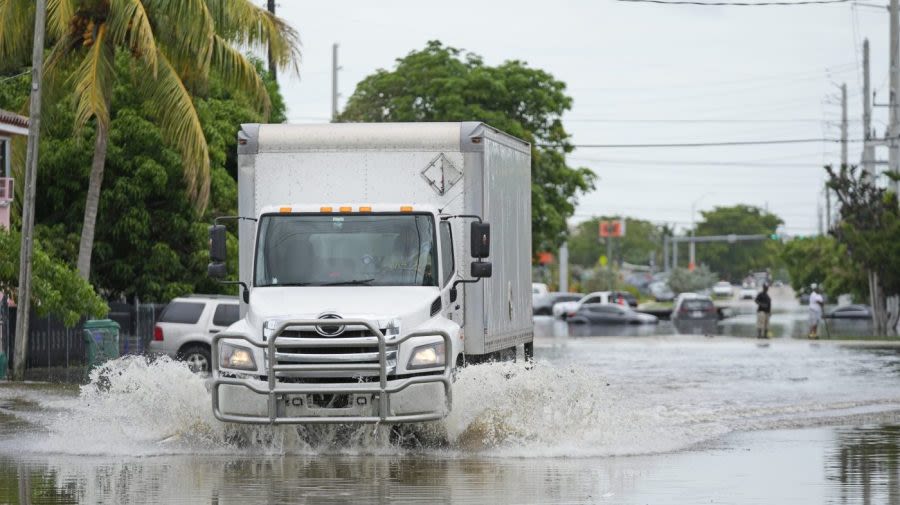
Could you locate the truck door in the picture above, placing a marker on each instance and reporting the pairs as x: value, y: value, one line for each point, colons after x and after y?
x: 452, y: 308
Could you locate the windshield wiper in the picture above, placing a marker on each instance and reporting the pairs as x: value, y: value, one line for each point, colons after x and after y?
x: 285, y: 284
x: 357, y: 282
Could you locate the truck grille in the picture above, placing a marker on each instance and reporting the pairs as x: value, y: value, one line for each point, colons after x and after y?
x: 363, y: 353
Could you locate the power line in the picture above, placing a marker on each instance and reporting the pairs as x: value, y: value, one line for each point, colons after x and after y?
x: 702, y: 120
x: 710, y: 144
x: 737, y: 4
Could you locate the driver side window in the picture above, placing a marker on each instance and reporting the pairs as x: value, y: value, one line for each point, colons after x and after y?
x: 448, y: 262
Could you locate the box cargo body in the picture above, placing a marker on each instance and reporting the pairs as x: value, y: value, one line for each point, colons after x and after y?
x: 459, y: 168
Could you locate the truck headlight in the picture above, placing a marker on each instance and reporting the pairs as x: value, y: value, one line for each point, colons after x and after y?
x: 427, y: 356
x: 236, y: 357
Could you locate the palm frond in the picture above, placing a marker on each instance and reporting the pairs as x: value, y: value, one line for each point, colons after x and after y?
x: 188, y: 32
x: 16, y: 32
x: 238, y: 72
x: 130, y: 27
x: 244, y: 23
x: 181, y: 127
x: 59, y: 17
x: 93, y: 81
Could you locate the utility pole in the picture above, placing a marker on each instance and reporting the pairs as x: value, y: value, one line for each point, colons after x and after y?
x: 868, y: 155
x: 827, y: 208
x: 844, y: 124
x: 23, y: 300
x: 665, y: 253
x: 564, y: 267
x: 273, y: 70
x: 334, y: 82
x: 893, y: 127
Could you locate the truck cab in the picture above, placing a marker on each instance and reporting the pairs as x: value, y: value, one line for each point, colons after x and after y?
x: 358, y: 310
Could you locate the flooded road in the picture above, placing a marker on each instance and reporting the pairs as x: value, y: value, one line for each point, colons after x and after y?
x: 652, y: 419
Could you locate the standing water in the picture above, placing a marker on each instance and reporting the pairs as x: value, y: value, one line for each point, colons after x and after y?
x: 656, y: 419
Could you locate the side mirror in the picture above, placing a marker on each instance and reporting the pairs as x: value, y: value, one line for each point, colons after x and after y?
x: 480, y: 235
x: 216, y: 270
x: 481, y: 269
x: 217, y: 249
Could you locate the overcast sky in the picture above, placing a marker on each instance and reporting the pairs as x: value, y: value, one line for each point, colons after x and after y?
x: 642, y: 73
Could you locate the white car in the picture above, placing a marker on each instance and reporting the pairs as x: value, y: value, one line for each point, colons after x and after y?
x: 539, y: 289
x: 723, y: 289
x: 563, y: 310
x: 186, y: 326
x: 748, y: 293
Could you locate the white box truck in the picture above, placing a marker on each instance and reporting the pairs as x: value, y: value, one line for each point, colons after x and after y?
x: 368, y: 271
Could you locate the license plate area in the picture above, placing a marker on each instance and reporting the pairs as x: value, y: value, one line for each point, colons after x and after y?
x: 697, y: 313
x: 328, y: 401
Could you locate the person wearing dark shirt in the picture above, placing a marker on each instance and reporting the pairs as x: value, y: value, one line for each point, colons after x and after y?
x: 763, y: 312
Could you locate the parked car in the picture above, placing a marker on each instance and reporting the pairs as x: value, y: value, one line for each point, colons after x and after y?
x: 539, y: 289
x: 566, y: 309
x: 544, y: 305
x: 186, y: 326
x: 723, y: 289
x: 855, y: 311
x: 611, y: 313
x: 694, y: 307
x: 661, y: 291
x: 748, y: 292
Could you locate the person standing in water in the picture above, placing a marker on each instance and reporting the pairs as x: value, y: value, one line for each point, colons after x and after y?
x: 816, y: 307
x: 763, y: 312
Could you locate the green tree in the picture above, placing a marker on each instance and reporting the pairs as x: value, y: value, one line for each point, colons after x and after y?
x: 58, y: 290
x: 441, y: 83
x: 824, y: 261
x: 734, y: 261
x: 682, y: 280
x: 642, y: 240
x: 149, y: 241
x: 870, y: 230
x: 171, y: 48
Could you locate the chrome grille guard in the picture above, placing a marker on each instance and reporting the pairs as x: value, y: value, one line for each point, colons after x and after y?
x: 274, y: 388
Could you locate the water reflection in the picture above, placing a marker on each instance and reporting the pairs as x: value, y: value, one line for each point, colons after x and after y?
x: 782, y: 325
x: 866, y: 465
x: 302, y: 479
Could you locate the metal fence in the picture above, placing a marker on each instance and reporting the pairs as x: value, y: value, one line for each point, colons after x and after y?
x: 51, y: 344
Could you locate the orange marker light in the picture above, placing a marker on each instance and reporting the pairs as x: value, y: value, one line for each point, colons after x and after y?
x: 365, y: 209
x: 346, y: 209
x: 406, y: 208
x: 284, y: 210
x: 325, y: 209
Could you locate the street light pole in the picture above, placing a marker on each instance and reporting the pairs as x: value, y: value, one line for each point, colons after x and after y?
x: 692, y: 247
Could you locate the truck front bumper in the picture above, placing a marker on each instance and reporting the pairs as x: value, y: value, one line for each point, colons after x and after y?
x: 242, y: 399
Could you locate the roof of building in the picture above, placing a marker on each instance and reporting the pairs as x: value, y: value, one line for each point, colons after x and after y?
x: 13, y: 119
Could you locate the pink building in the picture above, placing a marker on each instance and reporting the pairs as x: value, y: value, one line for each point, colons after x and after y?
x: 10, y: 124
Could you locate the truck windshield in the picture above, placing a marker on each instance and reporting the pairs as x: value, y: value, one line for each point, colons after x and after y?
x: 344, y: 250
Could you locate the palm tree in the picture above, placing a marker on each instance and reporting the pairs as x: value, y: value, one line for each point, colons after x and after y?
x: 173, y: 46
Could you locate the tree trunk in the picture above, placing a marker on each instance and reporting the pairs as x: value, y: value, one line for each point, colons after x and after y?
x: 92, y: 202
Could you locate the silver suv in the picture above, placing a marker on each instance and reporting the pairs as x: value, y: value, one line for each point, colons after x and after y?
x: 186, y: 326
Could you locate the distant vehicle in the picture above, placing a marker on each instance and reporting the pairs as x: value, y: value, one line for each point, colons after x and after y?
x: 545, y: 304
x: 723, y: 289
x: 186, y: 326
x: 567, y: 309
x: 662, y: 292
x: 748, y: 293
x: 694, y: 307
x: 855, y: 311
x: 538, y: 289
x: 610, y: 313
x: 778, y: 284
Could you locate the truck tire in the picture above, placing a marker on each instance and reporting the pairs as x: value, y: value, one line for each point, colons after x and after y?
x: 197, y: 357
